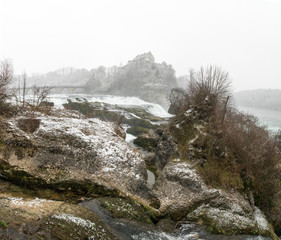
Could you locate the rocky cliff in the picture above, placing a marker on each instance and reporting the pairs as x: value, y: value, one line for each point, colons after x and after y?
x: 66, y: 152
x: 70, y: 152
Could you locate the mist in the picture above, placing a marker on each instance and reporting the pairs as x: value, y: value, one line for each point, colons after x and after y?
x: 243, y: 37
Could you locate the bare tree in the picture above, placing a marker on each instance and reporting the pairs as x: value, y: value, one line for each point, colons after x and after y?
x: 40, y: 94
x: 211, y: 81
x: 6, y: 76
x: 23, y: 89
x: 209, y: 88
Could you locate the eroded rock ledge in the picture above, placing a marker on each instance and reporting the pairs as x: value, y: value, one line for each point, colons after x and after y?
x: 70, y: 152
x: 184, y: 195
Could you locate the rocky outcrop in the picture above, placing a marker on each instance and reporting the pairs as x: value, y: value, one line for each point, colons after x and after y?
x: 178, y: 98
x: 68, y: 152
x: 184, y: 195
x: 35, y: 218
x: 165, y: 149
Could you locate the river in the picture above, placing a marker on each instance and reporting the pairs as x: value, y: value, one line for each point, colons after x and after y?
x: 270, y: 118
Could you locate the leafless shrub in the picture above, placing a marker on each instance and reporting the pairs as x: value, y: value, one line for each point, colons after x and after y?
x: 236, y: 150
x: 23, y: 89
x: 253, y: 151
x: 29, y: 125
x: 208, y: 90
x: 40, y: 94
x: 210, y: 81
x: 6, y: 76
x: 119, y: 118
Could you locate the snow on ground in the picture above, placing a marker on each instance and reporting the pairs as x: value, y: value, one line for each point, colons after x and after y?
x: 30, y: 203
x: 150, y: 235
x: 76, y: 220
x: 98, y: 134
x: 261, y: 220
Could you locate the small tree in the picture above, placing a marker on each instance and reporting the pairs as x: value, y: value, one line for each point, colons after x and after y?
x: 6, y: 76
x: 24, y: 89
x: 209, y: 89
x: 40, y: 94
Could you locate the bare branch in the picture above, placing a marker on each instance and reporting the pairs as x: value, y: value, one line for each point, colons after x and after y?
x: 6, y: 76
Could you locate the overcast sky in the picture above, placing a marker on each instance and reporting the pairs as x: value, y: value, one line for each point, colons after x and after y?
x: 241, y: 36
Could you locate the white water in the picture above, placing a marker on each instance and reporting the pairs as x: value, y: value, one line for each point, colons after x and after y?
x: 153, y: 108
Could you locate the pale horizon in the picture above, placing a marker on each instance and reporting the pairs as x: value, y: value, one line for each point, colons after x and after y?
x: 243, y: 37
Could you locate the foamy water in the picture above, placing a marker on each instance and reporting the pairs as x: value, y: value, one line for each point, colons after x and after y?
x: 154, y: 109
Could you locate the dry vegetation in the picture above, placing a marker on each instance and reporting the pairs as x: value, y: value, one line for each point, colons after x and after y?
x: 6, y: 76
x: 232, y: 149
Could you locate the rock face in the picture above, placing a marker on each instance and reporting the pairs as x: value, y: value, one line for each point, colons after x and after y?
x: 36, y: 218
x: 184, y: 195
x: 85, y: 155
x: 65, y: 151
x: 178, y: 97
x: 165, y: 149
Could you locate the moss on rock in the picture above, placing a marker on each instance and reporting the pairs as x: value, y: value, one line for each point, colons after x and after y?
x: 52, y: 220
x: 146, y: 143
x: 128, y: 209
x: 136, y: 131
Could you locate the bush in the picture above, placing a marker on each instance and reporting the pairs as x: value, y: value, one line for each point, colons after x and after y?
x: 243, y: 150
x: 29, y: 125
x: 234, y: 151
x: 209, y: 90
x: 147, y: 144
x: 136, y: 131
x: 6, y: 76
x: 135, y: 122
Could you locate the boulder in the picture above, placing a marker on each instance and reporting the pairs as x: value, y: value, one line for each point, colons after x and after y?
x: 35, y: 218
x: 184, y: 196
x: 70, y: 153
x: 178, y: 97
x: 165, y: 149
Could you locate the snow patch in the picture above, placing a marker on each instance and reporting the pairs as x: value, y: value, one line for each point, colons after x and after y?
x: 130, y: 137
x: 76, y: 220
x: 30, y: 203
x: 261, y: 220
x: 151, y: 235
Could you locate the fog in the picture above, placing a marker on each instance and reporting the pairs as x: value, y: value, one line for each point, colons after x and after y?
x: 241, y: 36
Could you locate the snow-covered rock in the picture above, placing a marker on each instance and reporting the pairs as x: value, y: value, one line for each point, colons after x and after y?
x: 71, y: 152
x: 183, y: 193
x: 29, y: 218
